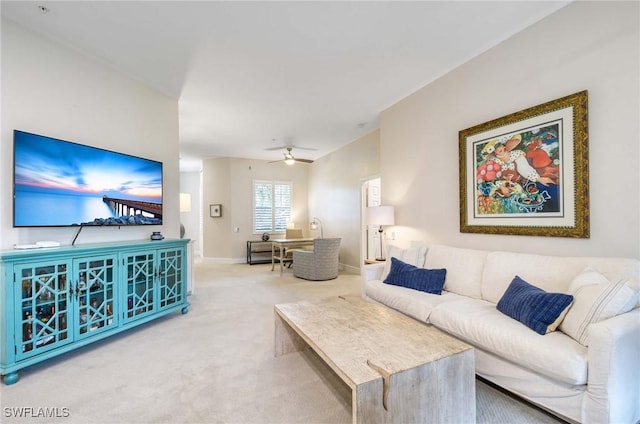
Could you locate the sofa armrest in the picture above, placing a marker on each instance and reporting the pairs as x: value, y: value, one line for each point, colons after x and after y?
x: 371, y: 272
x: 613, y: 392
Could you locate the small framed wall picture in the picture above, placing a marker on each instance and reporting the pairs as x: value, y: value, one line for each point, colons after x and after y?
x: 215, y: 211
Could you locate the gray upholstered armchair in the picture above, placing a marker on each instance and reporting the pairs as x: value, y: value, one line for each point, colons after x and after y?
x: 321, y: 263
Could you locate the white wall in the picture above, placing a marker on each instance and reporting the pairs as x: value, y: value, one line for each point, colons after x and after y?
x: 592, y: 46
x: 190, y: 183
x: 335, y: 183
x: 216, y: 189
x: 50, y: 89
x: 229, y: 182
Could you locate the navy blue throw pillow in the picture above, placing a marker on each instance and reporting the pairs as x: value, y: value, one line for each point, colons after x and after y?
x: 534, y: 307
x: 412, y: 277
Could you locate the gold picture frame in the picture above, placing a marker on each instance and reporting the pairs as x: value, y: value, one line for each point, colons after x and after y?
x: 527, y: 173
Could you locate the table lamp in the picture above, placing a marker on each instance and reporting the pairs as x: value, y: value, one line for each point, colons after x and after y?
x: 379, y: 216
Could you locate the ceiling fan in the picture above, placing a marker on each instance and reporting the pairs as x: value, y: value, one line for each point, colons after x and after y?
x: 289, y: 159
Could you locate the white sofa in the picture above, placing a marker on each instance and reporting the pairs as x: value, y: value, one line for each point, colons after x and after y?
x: 594, y: 383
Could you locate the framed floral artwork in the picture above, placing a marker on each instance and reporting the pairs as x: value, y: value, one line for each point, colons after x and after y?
x: 528, y: 173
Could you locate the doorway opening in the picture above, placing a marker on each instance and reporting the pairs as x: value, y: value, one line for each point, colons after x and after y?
x: 370, y: 243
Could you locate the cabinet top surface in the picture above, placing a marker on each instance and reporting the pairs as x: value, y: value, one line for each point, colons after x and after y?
x: 14, y: 254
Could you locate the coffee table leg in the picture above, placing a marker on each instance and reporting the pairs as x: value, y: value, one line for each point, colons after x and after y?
x: 286, y: 340
x: 366, y: 403
x: 435, y: 392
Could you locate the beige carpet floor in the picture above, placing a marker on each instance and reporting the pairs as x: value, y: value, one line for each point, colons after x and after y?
x: 213, y: 365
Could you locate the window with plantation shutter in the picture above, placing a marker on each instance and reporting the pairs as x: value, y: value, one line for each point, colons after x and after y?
x: 271, y: 206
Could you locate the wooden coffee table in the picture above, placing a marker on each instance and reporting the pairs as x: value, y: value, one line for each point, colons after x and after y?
x: 399, y: 370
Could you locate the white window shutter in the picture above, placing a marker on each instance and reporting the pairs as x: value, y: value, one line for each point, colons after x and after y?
x: 271, y: 206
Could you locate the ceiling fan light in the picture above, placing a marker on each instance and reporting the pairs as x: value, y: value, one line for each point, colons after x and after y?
x: 289, y: 161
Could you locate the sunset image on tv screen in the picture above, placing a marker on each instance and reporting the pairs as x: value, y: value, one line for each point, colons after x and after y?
x: 59, y: 183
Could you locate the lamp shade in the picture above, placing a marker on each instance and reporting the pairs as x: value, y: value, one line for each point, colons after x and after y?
x: 380, y: 215
x: 315, y: 224
x: 185, y: 202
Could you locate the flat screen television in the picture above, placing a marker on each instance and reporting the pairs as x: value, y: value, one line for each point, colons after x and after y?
x: 58, y: 183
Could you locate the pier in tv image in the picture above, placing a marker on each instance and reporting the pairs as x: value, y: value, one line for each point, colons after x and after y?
x: 60, y: 183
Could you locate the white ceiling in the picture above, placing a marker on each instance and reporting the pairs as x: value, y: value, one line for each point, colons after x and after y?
x: 256, y: 75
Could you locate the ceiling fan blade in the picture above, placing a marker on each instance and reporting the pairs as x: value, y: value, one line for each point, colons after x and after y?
x: 291, y: 147
x: 288, y: 156
x: 294, y: 159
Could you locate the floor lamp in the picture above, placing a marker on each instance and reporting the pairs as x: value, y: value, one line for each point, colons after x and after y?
x: 314, y: 226
x: 379, y: 216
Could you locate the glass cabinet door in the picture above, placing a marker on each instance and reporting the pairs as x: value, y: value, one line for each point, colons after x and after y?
x: 43, y: 307
x: 140, y: 279
x: 96, y: 295
x: 170, y: 277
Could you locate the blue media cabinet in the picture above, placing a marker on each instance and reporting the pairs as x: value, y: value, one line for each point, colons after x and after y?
x: 54, y: 300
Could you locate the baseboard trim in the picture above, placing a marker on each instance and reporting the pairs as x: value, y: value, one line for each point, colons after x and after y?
x: 349, y: 269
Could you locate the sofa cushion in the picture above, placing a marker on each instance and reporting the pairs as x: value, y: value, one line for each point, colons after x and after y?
x: 464, y: 268
x: 412, y: 256
x: 596, y: 299
x: 411, y: 277
x: 416, y: 304
x: 550, y: 273
x: 532, y: 306
x: 478, y: 322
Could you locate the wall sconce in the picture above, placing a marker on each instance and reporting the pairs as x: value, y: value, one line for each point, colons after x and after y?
x: 315, y: 224
x: 379, y: 216
x: 185, y: 202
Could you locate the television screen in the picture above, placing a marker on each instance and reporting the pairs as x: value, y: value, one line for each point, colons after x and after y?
x: 58, y: 183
